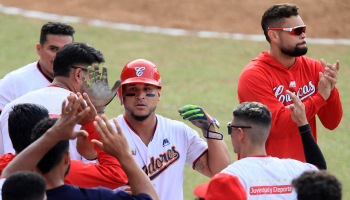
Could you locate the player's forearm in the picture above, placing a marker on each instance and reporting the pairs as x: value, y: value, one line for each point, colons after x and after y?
x: 138, y: 180
x: 30, y: 157
x: 313, y: 153
x: 218, y: 156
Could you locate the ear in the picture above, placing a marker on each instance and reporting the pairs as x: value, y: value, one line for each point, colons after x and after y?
x: 66, y: 157
x: 241, y: 134
x: 159, y: 90
x: 274, y: 37
x: 38, y: 49
x: 77, y: 75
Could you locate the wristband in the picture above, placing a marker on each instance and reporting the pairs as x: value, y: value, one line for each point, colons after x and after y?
x: 213, y: 135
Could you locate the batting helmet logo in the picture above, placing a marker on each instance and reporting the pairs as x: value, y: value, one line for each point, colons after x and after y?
x: 139, y: 71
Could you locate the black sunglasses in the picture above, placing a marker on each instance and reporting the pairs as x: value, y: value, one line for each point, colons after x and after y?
x: 82, y: 69
x: 229, y: 127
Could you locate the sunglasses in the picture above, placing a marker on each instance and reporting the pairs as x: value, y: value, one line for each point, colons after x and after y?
x: 297, y: 30
x: 229, y: 127
x: 82, y: 69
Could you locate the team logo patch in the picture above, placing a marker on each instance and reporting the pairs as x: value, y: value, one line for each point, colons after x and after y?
x: 133, y: 151
x: 139, y: 71
x: 292, y: 84
x: 165, y: 142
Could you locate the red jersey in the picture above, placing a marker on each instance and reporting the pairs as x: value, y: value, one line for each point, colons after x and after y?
x: 5, y: 160
x: 266, y: 80
x: 108, y: 173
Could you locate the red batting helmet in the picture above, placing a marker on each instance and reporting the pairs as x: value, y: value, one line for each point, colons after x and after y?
x: 139, y: 71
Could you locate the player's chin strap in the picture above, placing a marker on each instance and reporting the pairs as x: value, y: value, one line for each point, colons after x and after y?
x: 212, y: 135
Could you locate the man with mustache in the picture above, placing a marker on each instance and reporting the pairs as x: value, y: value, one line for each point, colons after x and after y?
x: 267, y: 78
x: 39, y: 74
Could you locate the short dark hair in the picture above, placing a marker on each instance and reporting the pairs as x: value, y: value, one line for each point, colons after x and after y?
x: 257, y: 116
x: 274, y: 16
x: 317, y: 185
x: 21, y: 122
x: 73, y: 54
x: 24, y: 185
x: 55, y: 28
x: 253, y: 112
x: 56, y: 153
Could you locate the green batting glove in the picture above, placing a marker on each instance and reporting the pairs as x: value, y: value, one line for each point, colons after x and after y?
x: 198, y: 117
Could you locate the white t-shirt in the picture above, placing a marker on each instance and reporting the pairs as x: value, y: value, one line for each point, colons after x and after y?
x: 267, y: 177
x: 51, y: 98
x: 173, y: 145
x: 21, y: 81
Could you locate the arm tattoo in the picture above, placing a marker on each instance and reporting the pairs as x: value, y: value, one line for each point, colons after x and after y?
x: 199, y: 166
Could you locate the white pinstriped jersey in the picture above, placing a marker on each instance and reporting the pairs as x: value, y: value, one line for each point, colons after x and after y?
x: 266, y: 177
x: 21, y: 81
x: 173, y: 145
x: 51, y: 98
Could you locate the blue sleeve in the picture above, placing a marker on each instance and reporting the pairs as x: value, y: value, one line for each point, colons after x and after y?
x: 107, y: 194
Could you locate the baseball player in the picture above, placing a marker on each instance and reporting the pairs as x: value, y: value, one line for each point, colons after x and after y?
x: 69, y: 65
x: 267, y: 78
x: 34, y: 76
x: 159, y: 145
x: 263, y: 176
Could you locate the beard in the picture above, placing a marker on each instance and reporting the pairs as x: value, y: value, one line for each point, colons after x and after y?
x: 294, y: 52
x: 138, y: 117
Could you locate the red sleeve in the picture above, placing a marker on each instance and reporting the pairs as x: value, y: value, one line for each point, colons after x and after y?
x: 330, y: 115
x: 108, y: 173
x: 254, y: 85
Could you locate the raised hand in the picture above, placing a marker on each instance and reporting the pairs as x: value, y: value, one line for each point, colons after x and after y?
x: 112, y: 142
x: 198, y: 117
x: 64, y: 127
x: 297, y: 110
x: 90, y: 116
x: 331, y: 72
x: 98, y: 89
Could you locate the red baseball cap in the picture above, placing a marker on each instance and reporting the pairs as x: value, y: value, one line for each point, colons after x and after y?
x: 222, y: 186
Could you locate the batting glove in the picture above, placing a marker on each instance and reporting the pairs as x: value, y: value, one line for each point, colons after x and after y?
x: 198, y: 117
x: 98, y: 89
